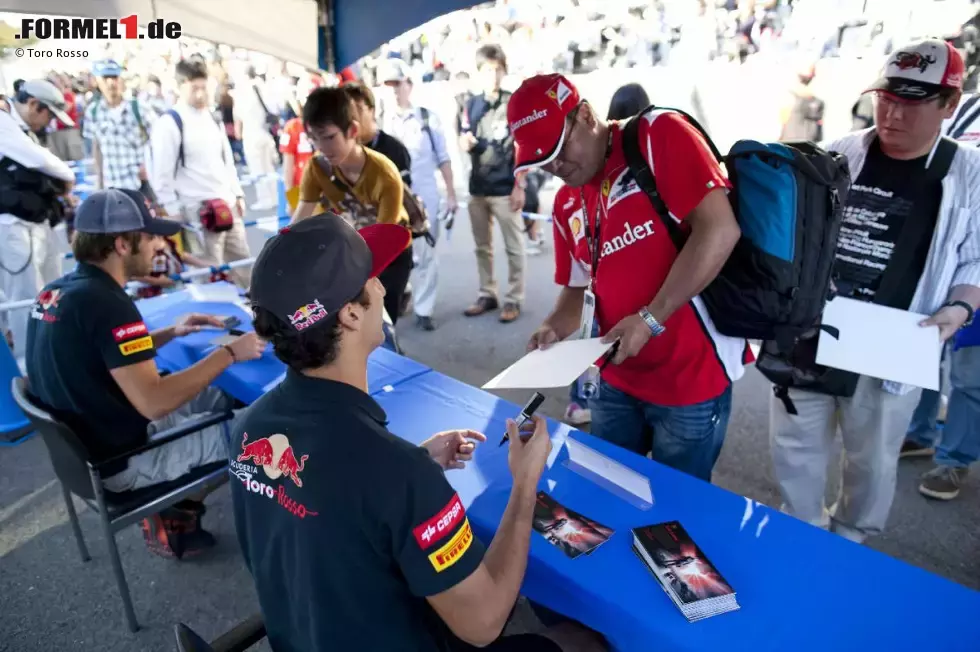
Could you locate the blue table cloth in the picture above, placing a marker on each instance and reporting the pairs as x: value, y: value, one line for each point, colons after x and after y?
x: 247, y: 381
x: 800, y: 588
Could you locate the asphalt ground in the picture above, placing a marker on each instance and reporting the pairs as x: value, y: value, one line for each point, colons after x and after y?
x: 50, y: 600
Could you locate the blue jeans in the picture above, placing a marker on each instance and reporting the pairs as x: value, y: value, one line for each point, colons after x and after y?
x: 687, y: 438
x: 959, y: 445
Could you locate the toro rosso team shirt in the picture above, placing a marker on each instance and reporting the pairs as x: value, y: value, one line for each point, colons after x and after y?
x: 81, y: 327
x: 691, y: 362
x: 344, y: 526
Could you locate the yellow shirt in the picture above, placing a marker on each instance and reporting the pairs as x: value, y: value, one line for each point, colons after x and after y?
x: 376, y: 197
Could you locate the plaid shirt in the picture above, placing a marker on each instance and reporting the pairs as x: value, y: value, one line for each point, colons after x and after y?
x: 121, y: 140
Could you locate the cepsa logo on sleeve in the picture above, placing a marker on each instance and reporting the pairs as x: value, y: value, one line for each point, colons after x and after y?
x: 440, y: 525
x: 65, y: 29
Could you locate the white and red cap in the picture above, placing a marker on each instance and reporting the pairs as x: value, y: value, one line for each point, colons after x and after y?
x: 536, y: 113
x: 919, y: 71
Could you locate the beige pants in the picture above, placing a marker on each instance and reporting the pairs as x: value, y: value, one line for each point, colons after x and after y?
x: 220, y: 248
x: 482, y: 212
x: 872, y: 423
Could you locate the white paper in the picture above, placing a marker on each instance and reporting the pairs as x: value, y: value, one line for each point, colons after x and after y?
x: 880, y: 342
x: 620, y: 475
x: 557, y: 366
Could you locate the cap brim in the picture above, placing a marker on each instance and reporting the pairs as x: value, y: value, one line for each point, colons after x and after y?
x: 386, y: 242
x: 61, y: 115
x: 527, y: 163
x: 165, y: 228
x: 905, y: 89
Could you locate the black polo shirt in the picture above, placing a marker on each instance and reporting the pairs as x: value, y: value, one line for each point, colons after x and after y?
x: 80, y: 327
x: 492, y: 173
x: 344, y: 526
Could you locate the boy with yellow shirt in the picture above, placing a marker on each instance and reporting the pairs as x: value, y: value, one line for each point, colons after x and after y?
x: 360, y: 184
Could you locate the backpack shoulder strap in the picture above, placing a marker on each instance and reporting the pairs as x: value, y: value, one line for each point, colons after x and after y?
x: 135, y: 106
x: 180, y: 129
x: 428, y: 128
x: 942, y: 160
x: 643, y: 175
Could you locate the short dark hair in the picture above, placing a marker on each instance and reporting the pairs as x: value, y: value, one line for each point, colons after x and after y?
x: 96, y: 247
x: 328, y: 106
x: 190, y: 70
x: 491, y: 52
x: 358, y: 92
x: 627, y: 101
x: 301, y: 350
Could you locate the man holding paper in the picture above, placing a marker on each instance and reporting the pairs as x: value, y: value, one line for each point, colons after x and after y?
x: 668, y: 389
x: 911, y: 241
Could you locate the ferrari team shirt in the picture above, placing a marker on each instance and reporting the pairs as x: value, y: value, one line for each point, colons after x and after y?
x: 345, y: 527
x: 691, y: 362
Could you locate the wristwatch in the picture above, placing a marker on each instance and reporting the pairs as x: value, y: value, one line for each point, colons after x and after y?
x: 965, y: 306
x: 656, y: 328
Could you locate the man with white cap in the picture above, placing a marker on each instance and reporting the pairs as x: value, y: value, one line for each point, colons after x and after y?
x: 421, y: 132
x: 32, y: 181
x: 910, y: 240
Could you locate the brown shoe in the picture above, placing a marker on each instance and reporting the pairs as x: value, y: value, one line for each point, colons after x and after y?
x: 509, y: 313
x: 482, y: 305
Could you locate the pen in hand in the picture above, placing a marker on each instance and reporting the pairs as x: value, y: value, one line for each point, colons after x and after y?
x: 526, y: 413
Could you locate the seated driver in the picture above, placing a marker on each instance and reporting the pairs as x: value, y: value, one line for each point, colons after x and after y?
x: 354, y: 537
x: 90, y: 356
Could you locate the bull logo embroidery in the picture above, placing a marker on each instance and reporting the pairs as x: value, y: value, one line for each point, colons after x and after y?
x: 909, y: 60
x: 275, y: 455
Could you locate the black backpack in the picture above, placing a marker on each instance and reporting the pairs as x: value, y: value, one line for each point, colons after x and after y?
x: 788, y: 200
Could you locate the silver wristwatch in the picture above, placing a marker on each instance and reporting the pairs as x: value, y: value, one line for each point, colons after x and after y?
x: 656, y: 328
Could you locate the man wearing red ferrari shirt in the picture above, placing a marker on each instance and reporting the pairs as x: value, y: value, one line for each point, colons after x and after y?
x: 668, y: 389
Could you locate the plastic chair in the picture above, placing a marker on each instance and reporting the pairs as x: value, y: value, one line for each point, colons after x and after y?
x: 14, y: 426
x: 81, y: 476
x: 243, y: 636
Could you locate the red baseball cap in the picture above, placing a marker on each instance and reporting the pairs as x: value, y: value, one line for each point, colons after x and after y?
x: 536, y: 113
x: 920, y: 70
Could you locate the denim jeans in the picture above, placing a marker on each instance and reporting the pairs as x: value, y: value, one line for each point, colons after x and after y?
x: 960, y: 442
x: 687, y: 438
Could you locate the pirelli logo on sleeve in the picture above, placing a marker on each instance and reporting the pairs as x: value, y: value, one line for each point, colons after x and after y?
x: 144, y: 343
x: 454, y: 549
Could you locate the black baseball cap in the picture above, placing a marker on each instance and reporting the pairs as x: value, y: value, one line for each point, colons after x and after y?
x: 311, y: 270
x: 120, y: 210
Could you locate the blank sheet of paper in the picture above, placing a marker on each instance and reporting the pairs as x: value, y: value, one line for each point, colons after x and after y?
x: 556, y: 366
x: 880, y: 342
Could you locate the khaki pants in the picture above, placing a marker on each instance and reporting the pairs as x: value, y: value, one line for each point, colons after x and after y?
x: 482, y: 212
x: 220, y: 248
x: 872, y: 423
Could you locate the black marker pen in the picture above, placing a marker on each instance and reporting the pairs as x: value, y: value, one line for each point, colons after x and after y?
x: 526, y: 413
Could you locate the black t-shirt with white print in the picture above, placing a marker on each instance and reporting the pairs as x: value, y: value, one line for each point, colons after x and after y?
x: 886, y: 194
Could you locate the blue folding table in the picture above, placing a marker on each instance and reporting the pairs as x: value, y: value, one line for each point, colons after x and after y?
x: 800, y: 588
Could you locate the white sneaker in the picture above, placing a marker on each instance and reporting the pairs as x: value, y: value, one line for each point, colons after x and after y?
x: 576, y: 415
x: 533, y: 247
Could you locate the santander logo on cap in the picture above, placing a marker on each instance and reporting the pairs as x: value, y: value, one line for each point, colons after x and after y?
x: 526, y: 120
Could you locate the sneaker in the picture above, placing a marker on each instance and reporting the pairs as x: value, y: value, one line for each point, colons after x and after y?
x: 576, y: 415
x: 509, y: 313
x: 943, y: 482
x: 425, y: 323
x: 914, y: 449
x: 533, y: 247
x: 482, y: 305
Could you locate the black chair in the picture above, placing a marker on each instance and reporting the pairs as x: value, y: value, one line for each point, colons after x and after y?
x: 243, y: 636
x: 81, y: 476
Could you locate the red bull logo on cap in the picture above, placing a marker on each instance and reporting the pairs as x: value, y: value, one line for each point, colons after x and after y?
x: 306, y: 316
